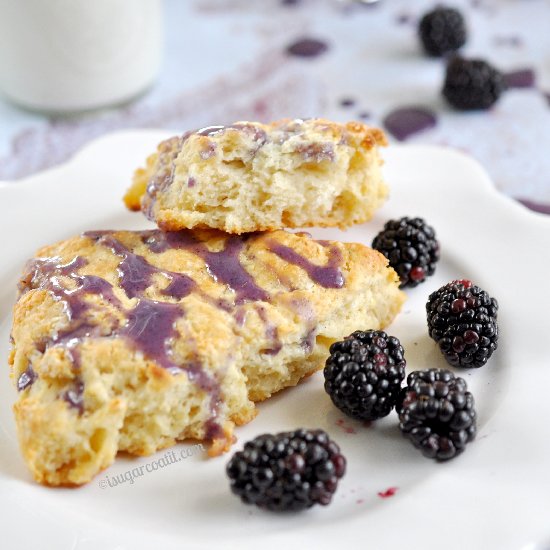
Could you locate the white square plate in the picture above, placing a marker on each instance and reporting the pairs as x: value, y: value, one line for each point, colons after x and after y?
x: 496, y: 495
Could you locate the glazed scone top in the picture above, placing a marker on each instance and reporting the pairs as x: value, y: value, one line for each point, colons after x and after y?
x: 137, y: 286
x: 251, y: 177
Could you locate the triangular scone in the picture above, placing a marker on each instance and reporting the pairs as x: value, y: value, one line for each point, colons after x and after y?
x: 129, y: 341
x: 253, y: 177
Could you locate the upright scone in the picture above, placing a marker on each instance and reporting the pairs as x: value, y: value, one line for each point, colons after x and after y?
x: 130, y: 341
x: 254, y: 177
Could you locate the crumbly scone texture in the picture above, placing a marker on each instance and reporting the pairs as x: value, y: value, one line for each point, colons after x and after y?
x: 254, y: 177
x: 131, y: 341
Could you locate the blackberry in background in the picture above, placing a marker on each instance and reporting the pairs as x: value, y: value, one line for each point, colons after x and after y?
x: 472, y: 84
x: 411, y: 247
x: 289, y: 471
x: 441, y: 31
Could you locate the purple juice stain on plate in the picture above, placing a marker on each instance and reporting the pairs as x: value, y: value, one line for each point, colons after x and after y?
x: 522, y: 78
x: 407, y: 121
x: 307, y: 47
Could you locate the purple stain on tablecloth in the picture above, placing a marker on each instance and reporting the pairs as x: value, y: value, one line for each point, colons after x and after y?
x: 509, y: 41
x: 307, y: 47
x: 404, y: 18
x: 364, y: 115
x: 347, y: 102
x: 407, y: 121
x: 522, y: 78
x: 535, y: 206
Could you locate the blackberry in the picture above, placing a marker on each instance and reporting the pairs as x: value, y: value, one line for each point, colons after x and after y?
x: 436, y: 412
x: 289, y: 471
x: 472, y: 84
x: 441, y: 31
x: 462, y: 319
x: 411, y: 248
x: 363, y: 374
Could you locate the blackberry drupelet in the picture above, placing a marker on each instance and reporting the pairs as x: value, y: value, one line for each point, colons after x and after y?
x: 289, y: 471
x: 436, y: 412
x: 462, y: 319
x: 472, y: 84
x: 411, y: 248
x: 363, y: 374
x: 441, y: 31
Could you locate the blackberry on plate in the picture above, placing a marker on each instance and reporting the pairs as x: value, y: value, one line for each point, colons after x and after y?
x: 442, y: 30
x: 411, y: 248
x: 363, y: 374
x: 462, y: 319
x: 288, y: 471
x: 437, y: 413
x: 472, y: 84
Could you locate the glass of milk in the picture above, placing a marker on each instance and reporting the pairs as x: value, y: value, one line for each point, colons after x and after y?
x: 60, y: 56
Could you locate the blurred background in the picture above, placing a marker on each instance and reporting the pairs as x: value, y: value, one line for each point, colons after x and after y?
x: 72, y: 70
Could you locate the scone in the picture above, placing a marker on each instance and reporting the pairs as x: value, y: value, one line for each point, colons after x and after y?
x: 130, y: 341
x: 254, y: 177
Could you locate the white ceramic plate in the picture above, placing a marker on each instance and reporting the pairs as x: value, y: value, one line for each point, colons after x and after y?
x: 494, y: 496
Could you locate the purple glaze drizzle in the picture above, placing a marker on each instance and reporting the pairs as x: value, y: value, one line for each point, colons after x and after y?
x: 224, y: 266
x: 209, y: 131
x: 307, y: 47
x: 407, y: 121
x: 271, y: 333
x: 74, y: 396
x: 305, y: 312
x: 191, y: 182
x: 523, y: 78
x: 317, y: 152
x: 136, y: 273
x: 254, y: 132
x: 208, y: 152
x: 180, y: 286
x: 26, y: 378
x: 149, y: 328
x: 150, y: 325
x: 328, y: 276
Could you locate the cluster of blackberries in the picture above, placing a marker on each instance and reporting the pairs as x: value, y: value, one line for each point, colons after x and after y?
x: 436, y: 412
x: 364, y: 374
x: 469, y: 83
